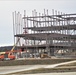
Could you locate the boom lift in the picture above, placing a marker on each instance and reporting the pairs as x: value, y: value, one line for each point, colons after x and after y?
x: 9, y: 54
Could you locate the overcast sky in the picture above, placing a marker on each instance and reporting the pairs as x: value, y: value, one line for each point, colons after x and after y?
x: 9, y: 6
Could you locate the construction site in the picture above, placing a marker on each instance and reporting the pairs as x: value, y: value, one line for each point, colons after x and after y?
x: 44, y: 43
x: 53, y: 34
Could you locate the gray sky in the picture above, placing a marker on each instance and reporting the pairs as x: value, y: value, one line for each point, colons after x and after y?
x: 9, y: 6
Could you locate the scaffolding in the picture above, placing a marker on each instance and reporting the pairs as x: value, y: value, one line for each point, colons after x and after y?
x: 45, y: 33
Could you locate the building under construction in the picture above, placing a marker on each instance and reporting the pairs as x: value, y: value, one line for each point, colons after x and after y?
x: 43, y: 32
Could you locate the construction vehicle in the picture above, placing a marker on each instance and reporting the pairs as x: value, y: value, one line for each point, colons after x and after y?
x: 8, y: 55
x: 44, y: 55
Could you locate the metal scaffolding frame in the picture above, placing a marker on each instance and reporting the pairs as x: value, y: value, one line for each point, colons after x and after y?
x: 45, y: 32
